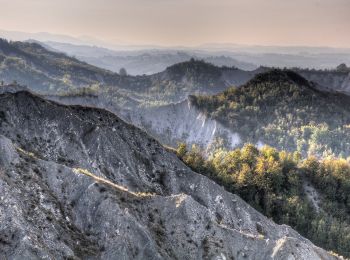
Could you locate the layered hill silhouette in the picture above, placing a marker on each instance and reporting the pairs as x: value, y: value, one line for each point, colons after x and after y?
x: 50, y: 72
x: 139, y: 62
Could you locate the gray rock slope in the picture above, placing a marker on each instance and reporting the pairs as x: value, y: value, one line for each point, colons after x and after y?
x: 79, y: 183
x: 181, y: 122
x: 170, y: 124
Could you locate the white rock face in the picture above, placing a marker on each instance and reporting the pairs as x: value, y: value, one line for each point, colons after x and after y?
x: 182, y: 122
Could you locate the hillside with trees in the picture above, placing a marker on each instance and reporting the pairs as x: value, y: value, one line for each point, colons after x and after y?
x: 278, y: 184
x: 282, y: 109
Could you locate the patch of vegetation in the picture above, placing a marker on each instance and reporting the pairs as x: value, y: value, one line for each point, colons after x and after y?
x: 272, y: 182
x: 196, y: 71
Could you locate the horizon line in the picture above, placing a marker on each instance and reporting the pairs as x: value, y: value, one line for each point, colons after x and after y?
x: 89, y: 40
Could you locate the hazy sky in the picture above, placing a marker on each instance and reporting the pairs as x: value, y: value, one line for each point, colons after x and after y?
x: 186, y: 22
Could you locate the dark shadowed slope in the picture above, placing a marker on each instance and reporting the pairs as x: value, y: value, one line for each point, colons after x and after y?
x: 44, y: 70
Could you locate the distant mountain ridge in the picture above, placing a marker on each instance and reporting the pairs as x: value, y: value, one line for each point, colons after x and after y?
x: 47, y: 71
x: 54, y: 73
x: 150, y: 61
x: 32, y: 65
x: 140, y: 62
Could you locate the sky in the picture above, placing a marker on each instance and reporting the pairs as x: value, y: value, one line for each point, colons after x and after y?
x: 186, y: 22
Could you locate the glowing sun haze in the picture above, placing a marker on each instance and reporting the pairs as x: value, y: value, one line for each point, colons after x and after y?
x: 186, y: 22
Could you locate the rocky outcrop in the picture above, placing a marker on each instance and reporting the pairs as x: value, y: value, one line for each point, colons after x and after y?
x: 78, y: 182
x: 181, y: 122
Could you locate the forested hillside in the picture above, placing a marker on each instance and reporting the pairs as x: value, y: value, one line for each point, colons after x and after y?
x: 311, y: 196
x: 282, y: 109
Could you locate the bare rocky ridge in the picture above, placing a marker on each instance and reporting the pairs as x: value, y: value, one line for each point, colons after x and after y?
x: 79, y: 182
